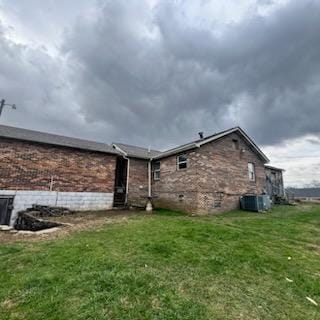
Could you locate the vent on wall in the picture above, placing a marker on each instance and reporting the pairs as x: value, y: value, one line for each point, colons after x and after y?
x: 235, y: 144
x: 217, y: 203
x: 181, y: 197
x: 217, y: 200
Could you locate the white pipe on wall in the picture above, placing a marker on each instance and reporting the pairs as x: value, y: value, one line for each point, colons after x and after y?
x: 128, y: 175
x: 51, y: 184
x: 149, y: 178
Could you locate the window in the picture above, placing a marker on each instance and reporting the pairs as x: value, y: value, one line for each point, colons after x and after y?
x: 182, y: 161
x: 251, y: 173
x: 235, y: 144
x: 156, y: 170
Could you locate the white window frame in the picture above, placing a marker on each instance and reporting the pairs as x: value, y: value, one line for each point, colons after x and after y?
x: 156, y: 172
x: 251, y: 171
x: 182, y: 162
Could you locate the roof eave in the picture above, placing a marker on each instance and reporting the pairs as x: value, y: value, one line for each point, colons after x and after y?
x: 263, y: 156
x: 138, y: 157
x: 176, y: 151
x: 208, y: 140
x: 274, y: 168
x: 129, y: 155
x: 216, y: 137
x: 59, y: 145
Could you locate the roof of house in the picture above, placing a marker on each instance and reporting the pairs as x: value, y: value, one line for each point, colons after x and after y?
x: 53, y: 139
x: 198, y: 143
x: 136, y: 152
x: 117, y: 148
x: 273, y: 168
x: 305, y: 192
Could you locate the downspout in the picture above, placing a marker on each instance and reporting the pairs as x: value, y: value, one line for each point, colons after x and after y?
x: 128, y: 174
x: 149, y: 178
x: 149, y: 202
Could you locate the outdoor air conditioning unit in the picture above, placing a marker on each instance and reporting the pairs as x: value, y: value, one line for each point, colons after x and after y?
x: 256, y: 203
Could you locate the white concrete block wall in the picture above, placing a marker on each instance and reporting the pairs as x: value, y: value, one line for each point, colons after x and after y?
x: 24, y: 199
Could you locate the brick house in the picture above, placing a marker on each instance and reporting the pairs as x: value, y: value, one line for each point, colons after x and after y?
x: 41, y: 168
x: 204, y: 176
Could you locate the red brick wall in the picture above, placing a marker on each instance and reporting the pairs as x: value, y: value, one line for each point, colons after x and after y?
x: 138, y: 182
x: 174, y: 184
x: 30, y: 166
x: 216, y: 176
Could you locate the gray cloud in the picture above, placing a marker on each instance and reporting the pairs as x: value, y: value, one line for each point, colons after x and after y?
x: 36, y: 83
x: 314, y: 141
x: 152, y: 75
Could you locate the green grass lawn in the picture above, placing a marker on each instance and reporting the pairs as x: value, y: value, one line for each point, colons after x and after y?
x: 170, y: 266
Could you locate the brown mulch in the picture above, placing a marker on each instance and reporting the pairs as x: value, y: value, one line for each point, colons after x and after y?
x: 84, y: 220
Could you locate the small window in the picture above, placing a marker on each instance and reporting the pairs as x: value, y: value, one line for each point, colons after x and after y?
x: 182, y: 161
x: 156, y: 170
x: 235, y: 144
x: 251, y: 172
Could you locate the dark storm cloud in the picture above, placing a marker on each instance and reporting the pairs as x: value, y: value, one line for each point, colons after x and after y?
x: 34, y: 81
x: 150, y: 76
x: 130, y: 72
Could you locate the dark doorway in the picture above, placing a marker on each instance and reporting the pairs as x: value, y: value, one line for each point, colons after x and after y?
x: 120, y: 189
x: 6, y: 206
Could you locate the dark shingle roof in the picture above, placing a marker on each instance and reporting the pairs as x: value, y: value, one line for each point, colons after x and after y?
x: 273, y: 168
x: 200, y: 142
x: 136, y: 152
x: 53, y: 139
x: 143, y: 153
x: 190, y: 145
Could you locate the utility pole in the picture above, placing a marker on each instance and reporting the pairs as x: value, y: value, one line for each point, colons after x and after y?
x: 3, y: 104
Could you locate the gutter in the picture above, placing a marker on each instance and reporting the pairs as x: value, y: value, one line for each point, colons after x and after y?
x: 176, y: 151
x: 128, y: 175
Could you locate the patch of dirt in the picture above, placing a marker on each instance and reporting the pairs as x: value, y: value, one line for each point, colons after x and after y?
x: 313, y: 247
x: 84, y: 220
x: 8, y: 303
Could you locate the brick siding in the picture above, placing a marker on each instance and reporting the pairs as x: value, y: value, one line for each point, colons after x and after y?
x: 217, y: 175
x: 138, y: 182
x: 30, y: 166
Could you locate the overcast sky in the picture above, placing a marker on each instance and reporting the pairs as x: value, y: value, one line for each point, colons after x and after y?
x: 156, y: 72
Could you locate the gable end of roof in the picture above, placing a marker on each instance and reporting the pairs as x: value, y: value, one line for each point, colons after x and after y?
x: 199, y: 143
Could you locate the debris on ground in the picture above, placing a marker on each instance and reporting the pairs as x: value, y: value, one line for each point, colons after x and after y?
x: 48, y: 211
x: 312, y: 301
x: 81, y: 220
x: 27, y: 221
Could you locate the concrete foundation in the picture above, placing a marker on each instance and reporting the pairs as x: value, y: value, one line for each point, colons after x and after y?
x: 24, y: 199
